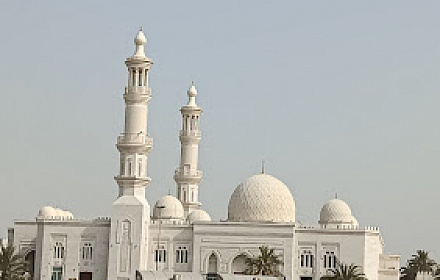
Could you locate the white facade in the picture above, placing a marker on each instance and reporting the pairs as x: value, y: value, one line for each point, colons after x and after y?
x: 178, y: 239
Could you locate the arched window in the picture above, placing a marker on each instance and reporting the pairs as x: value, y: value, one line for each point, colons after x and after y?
x: 58, y: 251
x: 130, y: 167
x: 329, y: 260
x: 239, y: 265
x: 182, y: 254
x: 306, y: 258
x: 140, y: 77
x: 87, y: 251
x: 160, y: 255
x: 212, y: 264
x: 140, y: 168
x: 133, y: 75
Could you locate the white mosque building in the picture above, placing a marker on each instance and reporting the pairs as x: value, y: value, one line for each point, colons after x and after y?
x: 178, y: 239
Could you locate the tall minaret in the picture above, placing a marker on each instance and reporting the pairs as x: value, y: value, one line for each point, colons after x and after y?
x: 187, y: 176
x: 128, y: 250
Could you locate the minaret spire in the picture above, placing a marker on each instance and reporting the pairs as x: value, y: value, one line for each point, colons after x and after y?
x: 131, y: 212
x: 187, y: 176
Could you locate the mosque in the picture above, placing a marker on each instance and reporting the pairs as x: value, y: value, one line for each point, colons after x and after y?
x: 178, y: 240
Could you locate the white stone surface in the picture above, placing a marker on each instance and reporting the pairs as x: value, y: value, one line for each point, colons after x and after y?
x: 261, y: 212
x: 187, y: 175
x: 337, y: 213
x: 261, y: 198
x: 49, y: 212
x: 198, y: 216
x: 168, y: 207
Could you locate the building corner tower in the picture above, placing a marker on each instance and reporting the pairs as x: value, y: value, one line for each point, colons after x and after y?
x: 128, y: 250
x: 187, y: 176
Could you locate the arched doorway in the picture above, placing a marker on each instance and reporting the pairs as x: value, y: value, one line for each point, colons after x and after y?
x: 212, y: 264
x: 238, y: 265
x: 30, y: 259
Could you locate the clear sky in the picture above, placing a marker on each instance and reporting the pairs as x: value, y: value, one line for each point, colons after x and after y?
x: 336, y: 96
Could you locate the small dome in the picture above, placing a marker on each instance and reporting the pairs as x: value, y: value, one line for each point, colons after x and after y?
x: 68, y: 214
x: 198, y: 216
x: 59, y: 213
x: 49, y: 212
x: 46, y: 212
x: 262, y: 198
x: 338, y: 212
x: 354, y: 222
x: 168, y: 207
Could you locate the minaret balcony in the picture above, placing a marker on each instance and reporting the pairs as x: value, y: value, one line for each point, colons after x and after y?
x: 133, y: 140
x: 190, y: 176
x: 191, y: 133
x: 137, y: 93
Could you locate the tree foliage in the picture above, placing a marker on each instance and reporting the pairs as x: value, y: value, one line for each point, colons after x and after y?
x: 266, y: 263
x: 345, y: 272
x: 12, y: 265
x: 419, y: 262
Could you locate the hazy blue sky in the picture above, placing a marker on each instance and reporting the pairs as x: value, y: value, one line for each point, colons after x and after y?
x: 335, y: 96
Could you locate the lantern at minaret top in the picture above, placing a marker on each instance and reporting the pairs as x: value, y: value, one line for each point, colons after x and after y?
x: 187, y: 176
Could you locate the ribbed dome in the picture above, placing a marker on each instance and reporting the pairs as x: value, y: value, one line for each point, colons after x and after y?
x: 49, y: 212
x: 198, y: 216
x: 261, y: 198
x: 168, y: 207
x: 46, y: 212
x: 336, y: 211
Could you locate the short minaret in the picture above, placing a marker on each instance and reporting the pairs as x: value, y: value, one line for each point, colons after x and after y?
x: 128, y: 250
x: 187, y: 176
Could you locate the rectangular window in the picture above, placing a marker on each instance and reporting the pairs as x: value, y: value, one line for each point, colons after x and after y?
x: 57, y: 273
x: 329, y: 260
x: 58, y: 251
x: 306, y: 259
x: 87, y: 251
x: 160, y: 255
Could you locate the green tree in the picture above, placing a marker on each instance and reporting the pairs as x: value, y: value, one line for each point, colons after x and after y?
x: 12, y: 265
x: 345, y: 272
x: 437, y: 273
x: 419, y: 262
x: 265, y: 264
x: 422, y: 262
x: 408, y: 273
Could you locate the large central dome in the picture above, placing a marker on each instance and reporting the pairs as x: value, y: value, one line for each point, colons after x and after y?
x: 262, y: 198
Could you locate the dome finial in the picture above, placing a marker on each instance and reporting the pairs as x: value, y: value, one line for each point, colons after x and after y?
x: 140, y: 41
x: 262, y: 167
x: 336, y: 195
x: 192, y: 93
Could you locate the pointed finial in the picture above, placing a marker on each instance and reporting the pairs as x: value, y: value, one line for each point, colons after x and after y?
x: 140, y: 41
x: 336, y: 195
x: 262, y: 167
x: 140, y: 28
x: 169, y: 192
x: 192, y: 92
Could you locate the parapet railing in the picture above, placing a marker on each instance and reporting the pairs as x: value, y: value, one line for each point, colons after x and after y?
x: 134, y: 138
x: 195, y: 133
x: 188, y: 172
